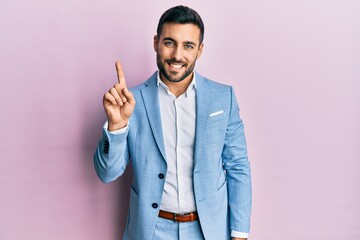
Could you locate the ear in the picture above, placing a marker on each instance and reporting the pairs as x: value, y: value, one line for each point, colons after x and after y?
x: 156, y: 41
x: 200, y: 51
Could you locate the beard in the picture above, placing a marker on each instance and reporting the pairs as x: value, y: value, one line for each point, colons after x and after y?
x: 172, y: 75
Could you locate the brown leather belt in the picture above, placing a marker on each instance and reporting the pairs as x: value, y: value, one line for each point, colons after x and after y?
x: 187, y: 217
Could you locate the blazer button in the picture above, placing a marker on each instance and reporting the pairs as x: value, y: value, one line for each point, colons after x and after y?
x: 161, y: 176
x: 154, y: 205
x: 106, y: 147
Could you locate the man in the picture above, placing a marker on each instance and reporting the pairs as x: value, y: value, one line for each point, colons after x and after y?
x: 185, y: 140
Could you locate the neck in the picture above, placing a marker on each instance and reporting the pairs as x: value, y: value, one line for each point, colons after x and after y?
x: 177, y: 88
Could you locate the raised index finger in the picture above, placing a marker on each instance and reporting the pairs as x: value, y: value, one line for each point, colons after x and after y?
x: 120, y: 73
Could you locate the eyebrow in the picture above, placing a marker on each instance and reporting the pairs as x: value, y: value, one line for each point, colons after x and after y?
x: 186, y: 42
x: 190, y: 43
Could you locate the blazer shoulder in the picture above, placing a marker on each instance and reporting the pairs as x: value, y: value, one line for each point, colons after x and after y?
x: 212, y: 84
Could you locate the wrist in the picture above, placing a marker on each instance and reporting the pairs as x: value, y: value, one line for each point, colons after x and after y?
x: 116, y: 126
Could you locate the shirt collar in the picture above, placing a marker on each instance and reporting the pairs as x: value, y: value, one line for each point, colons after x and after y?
x: 190, y: 87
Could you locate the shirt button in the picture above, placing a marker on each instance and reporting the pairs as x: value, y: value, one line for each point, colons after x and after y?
x: 161, y: 176
x: 154, y: 205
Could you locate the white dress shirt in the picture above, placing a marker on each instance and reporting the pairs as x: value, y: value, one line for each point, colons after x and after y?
x: 178, y: 116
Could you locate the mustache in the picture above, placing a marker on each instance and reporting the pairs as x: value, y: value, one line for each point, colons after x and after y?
x: 175, y: 61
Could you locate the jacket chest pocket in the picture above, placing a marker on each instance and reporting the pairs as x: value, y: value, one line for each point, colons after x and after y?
x: 216, y: 126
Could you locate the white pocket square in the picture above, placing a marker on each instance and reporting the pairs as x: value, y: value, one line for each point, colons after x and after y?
x: 216, y: 113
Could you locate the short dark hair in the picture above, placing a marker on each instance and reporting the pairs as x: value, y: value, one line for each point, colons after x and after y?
x: 181, y: 14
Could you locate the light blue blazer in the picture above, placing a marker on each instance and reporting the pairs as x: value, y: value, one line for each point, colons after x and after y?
x: 221, y: 171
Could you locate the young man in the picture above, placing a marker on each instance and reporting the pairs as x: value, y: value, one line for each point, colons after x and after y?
x: 185, y: 140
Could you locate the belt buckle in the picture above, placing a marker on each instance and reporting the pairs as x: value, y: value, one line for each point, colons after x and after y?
x: 175, y: 217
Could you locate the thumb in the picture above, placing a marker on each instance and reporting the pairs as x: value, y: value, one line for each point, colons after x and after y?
x: 129, y: 96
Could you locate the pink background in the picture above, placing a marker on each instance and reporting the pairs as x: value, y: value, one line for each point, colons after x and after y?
x: 296, y: 69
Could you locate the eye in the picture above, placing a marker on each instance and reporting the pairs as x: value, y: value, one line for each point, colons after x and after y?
x: 169, y: 43
x: 188, y: 46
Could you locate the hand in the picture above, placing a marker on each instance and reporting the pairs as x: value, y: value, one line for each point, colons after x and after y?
x: 118, y: 102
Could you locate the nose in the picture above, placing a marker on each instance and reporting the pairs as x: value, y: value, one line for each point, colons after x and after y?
x: 177, y: 53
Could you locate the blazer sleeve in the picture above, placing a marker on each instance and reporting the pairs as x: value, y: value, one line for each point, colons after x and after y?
x: 111, y: 156
x: 237, y: 166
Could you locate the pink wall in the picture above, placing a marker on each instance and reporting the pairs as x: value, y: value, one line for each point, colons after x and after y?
x: 296, y: 69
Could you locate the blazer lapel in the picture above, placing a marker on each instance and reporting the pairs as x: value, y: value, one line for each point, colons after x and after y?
x: 203, y: 102
x: 151, y: 101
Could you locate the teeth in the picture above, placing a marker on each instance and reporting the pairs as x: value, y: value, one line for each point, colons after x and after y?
x: 177, y: 66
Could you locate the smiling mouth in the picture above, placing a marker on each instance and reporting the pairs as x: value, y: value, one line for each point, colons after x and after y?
x: 176, y: 66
